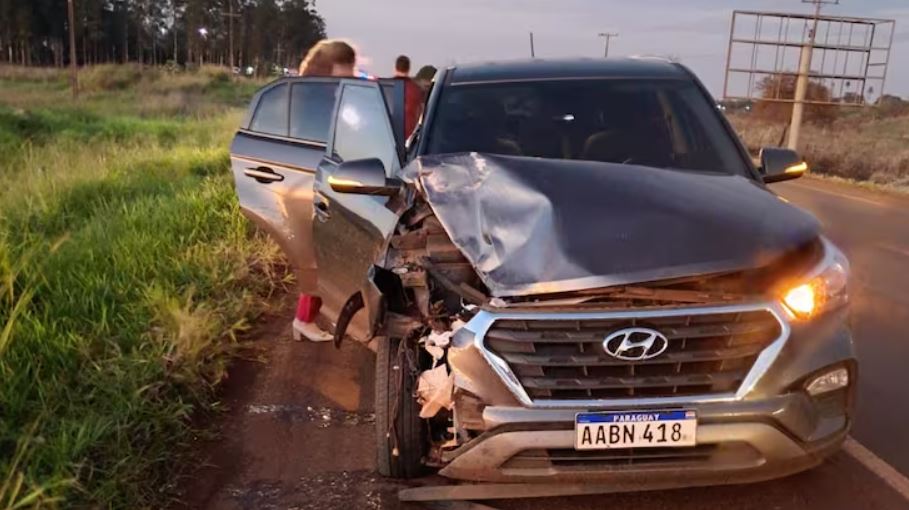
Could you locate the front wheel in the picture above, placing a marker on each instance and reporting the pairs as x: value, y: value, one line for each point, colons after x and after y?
x: 400, y: 432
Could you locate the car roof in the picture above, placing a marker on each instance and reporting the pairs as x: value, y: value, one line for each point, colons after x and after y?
x: 578, y: 68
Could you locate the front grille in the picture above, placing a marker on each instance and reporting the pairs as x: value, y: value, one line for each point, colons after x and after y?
x: 732, y: 453
x: 708, y: 353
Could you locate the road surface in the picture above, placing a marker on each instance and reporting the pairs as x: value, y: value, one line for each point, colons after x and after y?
x: 299, y: 433
x: 873, y: 229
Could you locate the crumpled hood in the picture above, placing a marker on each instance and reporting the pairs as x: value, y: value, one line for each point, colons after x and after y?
x: 533, y: 226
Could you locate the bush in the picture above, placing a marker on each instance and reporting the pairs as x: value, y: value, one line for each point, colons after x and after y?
x: 859, y: 144
x: 109, y: 77
x: 215, y: 74
x: 783, y: 87
x: 34, y: 74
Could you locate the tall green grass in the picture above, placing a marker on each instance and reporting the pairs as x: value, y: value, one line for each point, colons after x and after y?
x: 126, y: 272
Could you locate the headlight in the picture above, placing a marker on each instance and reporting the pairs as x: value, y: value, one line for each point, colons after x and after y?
x: 823, y: 288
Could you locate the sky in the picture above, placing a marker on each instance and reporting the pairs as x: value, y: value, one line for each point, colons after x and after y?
x: 695, y: 32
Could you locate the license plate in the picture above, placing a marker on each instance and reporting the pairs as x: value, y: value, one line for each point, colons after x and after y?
x: 599, y: 431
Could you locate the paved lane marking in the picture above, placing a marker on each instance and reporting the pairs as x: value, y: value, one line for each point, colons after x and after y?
x: 878, y: 466
x: 894, y: 249
x: 841, y: 195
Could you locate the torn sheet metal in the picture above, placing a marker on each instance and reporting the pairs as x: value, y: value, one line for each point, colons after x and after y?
x: 532, y: 226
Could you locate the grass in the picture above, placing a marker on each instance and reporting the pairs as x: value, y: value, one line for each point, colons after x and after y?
x: 110, y: 90
x: 858, y: 146
x: 126, y: 272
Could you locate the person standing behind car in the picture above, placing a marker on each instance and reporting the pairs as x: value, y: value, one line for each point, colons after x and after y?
x: 329, y: 57
x: 424, y: 76
x: 413, y: 95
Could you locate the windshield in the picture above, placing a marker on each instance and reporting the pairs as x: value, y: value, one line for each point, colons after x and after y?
x: 658, y: 123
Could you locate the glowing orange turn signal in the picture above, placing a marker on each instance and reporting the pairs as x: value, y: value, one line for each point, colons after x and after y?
x: 797, y: 169
x: 343, y: 182
x: 801, y: 300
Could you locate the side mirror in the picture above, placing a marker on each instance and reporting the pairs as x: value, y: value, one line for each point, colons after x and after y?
x: 781, y: 164
x: 363, y: 177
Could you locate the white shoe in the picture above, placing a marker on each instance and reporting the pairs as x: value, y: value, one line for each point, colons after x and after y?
x: 310, y: 331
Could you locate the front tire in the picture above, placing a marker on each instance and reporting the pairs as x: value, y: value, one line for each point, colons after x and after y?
x: 400, y: 432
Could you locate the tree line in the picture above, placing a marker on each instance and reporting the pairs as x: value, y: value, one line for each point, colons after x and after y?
x: 261, y: 33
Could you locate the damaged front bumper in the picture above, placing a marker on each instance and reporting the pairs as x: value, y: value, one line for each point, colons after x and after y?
x: 518, y: 388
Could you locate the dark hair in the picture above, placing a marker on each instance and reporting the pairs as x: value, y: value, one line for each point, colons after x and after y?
x: 426, y: 73
x: 402, y: 64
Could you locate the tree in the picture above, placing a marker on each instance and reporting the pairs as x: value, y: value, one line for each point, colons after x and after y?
x: 782, y: 86
x: 297, y: 13
x: 267, y: 33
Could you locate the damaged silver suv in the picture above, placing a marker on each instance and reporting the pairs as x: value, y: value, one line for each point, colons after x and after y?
x: 571, y: 272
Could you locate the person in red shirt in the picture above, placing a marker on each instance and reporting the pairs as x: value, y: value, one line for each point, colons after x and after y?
x: 413, y: 95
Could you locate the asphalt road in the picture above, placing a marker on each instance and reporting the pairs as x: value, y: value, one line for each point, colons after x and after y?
x: 299, y: 433
x: 872, y: 228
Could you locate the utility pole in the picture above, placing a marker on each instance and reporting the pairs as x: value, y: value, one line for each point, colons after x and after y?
x: 230, y: 32
x: 532, y: 54
x: 802, y: 82
x: 74, y: 77
x: 173, y: 27
x: 607, y: 36
x: 125, y: 32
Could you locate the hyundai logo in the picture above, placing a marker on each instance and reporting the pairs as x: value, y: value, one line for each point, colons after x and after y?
x: 635, y: 344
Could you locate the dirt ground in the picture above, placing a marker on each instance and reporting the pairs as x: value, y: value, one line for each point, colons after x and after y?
x: 298, y: 433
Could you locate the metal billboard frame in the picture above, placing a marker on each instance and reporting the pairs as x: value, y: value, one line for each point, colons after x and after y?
x: 813, y: 31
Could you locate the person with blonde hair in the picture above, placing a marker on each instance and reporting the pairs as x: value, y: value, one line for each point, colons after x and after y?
x: 329, y: 57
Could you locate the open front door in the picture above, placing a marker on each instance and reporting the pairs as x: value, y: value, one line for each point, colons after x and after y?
x: 351, y: 231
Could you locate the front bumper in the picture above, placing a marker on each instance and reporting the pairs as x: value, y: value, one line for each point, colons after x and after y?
x: 747, y: 443
x: 770, y: 428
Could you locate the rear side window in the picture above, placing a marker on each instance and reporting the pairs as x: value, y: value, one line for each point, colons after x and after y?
x: 363, y: 130
x: 271, y: 113
x: 311, y: 107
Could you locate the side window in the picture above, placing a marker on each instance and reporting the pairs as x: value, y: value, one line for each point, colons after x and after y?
x: 311, y: 107
x: 362, y: 129
x: 271, y: 114
x: 699, y: 129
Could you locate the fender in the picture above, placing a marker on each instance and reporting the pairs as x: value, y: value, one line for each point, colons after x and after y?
x: 372, y: 298
x: 351, y: 307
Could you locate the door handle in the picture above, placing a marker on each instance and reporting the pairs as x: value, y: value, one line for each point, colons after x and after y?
x: 263, y: 174
x: 320, y: 207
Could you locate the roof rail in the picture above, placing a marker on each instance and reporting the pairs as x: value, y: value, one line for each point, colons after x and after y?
x: 661, y: 58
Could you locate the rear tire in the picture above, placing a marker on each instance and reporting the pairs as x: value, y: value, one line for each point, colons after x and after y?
x: 398, y: 422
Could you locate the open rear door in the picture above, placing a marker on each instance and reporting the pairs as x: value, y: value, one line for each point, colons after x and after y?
x: 274, y: 157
